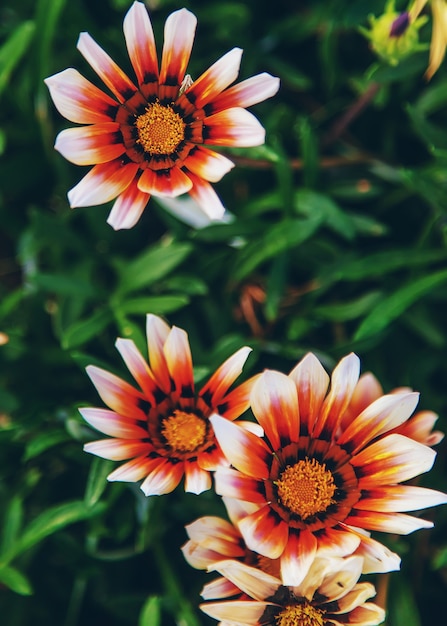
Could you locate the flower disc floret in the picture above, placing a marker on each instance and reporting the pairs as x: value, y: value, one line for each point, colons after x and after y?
x: 160, y: 129
x: 300, y: 615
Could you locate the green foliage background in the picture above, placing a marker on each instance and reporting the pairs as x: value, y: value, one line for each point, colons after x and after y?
x: 337, y: 243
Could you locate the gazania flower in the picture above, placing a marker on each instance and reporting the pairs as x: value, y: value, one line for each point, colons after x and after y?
x: 313, y: 481
x: 151, y: 137
x: 162, y: 428
x: 329, y: 595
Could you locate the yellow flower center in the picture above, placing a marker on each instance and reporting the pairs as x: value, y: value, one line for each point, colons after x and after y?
x: 184, y: 432
x: 306, y: 488
x: 160, y: 129
x: 300, y: 615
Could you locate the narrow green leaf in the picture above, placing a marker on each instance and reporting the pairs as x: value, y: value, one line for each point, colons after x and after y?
x: 15, y: 580
x: 97, y: 480
x: 282, y: 236
x: 49, y: 522
x: 13, y: 50
x: 343, y: 311
x: 152, y: 265
x: 308, y: 202
x: 396, y: 304
x: 63, y: 284
x: 153, y: 304
x: 83, y: 330
x: 12, y: 522
x: 150, y: 613
x: 43, y: 441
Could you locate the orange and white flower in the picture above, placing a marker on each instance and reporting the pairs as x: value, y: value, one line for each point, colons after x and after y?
x: 329, y: 595
x: 315, y: 477
x: 151, y: 137
x: 162, y: 428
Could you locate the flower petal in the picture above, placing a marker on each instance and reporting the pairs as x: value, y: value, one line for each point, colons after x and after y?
x: 171, y: 183
x: 274, y: 402
x: 219, y: 588
x: 141, y: 45
x: 109, y: 72
x: 137, y: 366
x: 113, y: 424
x: 377, y: 558
x: 357, y: 596
x: 346, y: 574
x: 157, y: 331
x: 118, y: 449
x: 197, y: 480
x: 420, y: 427
x: 251, y: 580
x: 116, y: 393
x: 179, y: 362
x: 97, y: 143
x: 247, y: 452
x: 222, y: 379
x: 297, y: 557
x: 234, y: 485
x: 134, y: 470
x: 382, y: 415
x: 128, y: 207
x: 369, y: 614
x: 394, y: 498
x: 246, y: 93
x: 343, y: 381
x: 179, y: 34
x: 264, y: 532
x: 234, y: 127
x: 103, y: 182
x: 312, y: 381
x: 397, y: 523
x: 164, y: 478
x: 216, y: 78
x: 391, y: 460
x: 79, y: 100
x: 217, y: 534
x: 207, y: 164
x: 236, y: 612
x: 205, y: 196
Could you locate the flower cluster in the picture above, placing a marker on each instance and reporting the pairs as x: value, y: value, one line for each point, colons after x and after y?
x: 322, y: 461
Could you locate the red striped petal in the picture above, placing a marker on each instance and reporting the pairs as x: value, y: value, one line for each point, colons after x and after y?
x: 179, y: 362
x: 109, y: 72
x: 394, y: 498
x: 206, y: 197
x: 207, y: 164
x: 197, y: 480
x: 116, y: 393
x: 212, y: 82
x: 382, y: 415
x: 251, y: 580
x: 247, y: 452
x: 178, y: 41
x: 170, y: 183
x: 128, y: 207
x: 137, y: 366
x: 312, y: 383
x: 274, y: 402
x: 103, y: 182
x: 113, y: 424
x: 343, y: 381
x: 398, y: 523
x: 118, y: 449
x: 264, y: 533
x: 164, y: 478
x: 297, y: 557
x: 224, y: 376
x: 79, y: 100
x: 392, y: 460
x: 237, y: 402
x: 88, y: 145
x: 133, y: 471
x: 233, y: 127
x: 232, y: 484
x: 157, y: 331
x: 141, y: 43
x: 246, y: 93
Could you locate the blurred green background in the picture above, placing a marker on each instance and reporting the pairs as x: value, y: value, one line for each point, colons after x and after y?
x: 336, y: 242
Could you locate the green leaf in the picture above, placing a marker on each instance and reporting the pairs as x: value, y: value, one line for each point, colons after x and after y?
x: 158, y: 261
x: 309, y: 202
x: 350, y: 310
x: 396, y: 304
x: 97, y: 480
x: 15, y: 580
x: 12, y: 522
x: 153, y: 304
x: 83, y: 330
x: 287, y: 234
x: 43, y: 441
x: 63, y: 284
x: 150, y: 613
x: 13, y: 50
x: 49, y: 522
